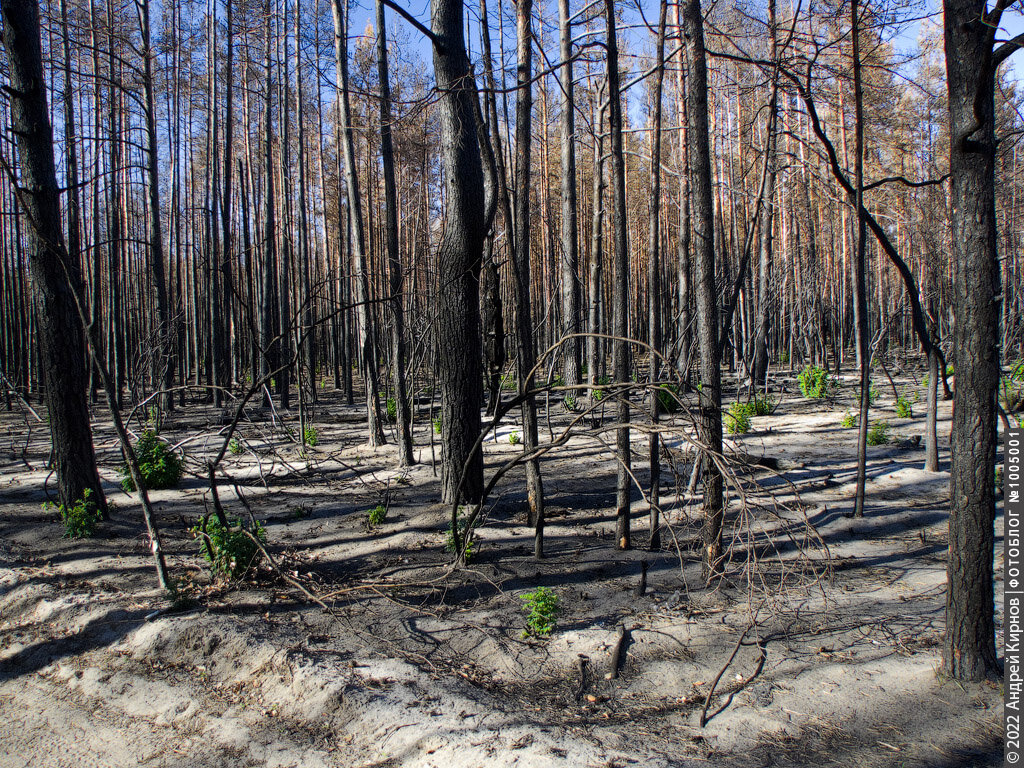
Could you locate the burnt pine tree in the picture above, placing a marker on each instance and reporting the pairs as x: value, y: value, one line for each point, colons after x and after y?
x: 403, y: 416
x: 56, y: 277
x: 709, y: 424
x: 969, y: 651
x: 458, y: 259
x: 521, y: 294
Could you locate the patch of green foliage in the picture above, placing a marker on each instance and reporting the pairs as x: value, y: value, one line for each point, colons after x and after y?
x: 1011, y: 388
x: 602, y: 381
x: 81, y: 519
x: 465, y: 536
x: 391, y: 410
x: 904, y: 410
x: 784, y: 358
x: 761, y: 405
x: 541, y: 608
x: 558, y: 381
x: 230, y: 551
x: 514, y: 438
x: 235, y: 447
x: 849, y: 420
x: 738, y: 418
x: 437, y: 425
x: 310, y: 436
x: 815, y: 382
x: 160, y: 466
x: 668, y: 398
x: 509, y: 383
x: 569, y: 402
x: 376, y: 515
x: 878, y: 432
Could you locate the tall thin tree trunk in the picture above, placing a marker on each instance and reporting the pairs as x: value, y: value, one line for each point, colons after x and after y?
x: 710, y: 390
x: 570, y: 244
x: 364, y: 317
x: 522, y: 283
x: 620, y: 287
x: 402, y: 413
x: 654, y: 281
x: 860, y: 304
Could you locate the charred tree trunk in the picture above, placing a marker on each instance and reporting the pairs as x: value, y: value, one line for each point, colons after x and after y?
x: 458, y: 259
x: 860, y: 298
x: 402, y: 413
x: 620, y: 287
x: 969, y: 651
x: 56, y: 276
x: 364, y: 318
x: 654, y: 282
x: 570, y: 245
x: 710, y: 391
x: 521, y: 294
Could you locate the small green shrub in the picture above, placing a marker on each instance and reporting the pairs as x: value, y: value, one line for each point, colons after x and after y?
x: 569, y: 403
x: 376, y: 515
x: 509, y: 383
x: 904, y: 410
x: 668, y: 398
x: 310, y: 436
x: 878, y: 433
x: 81, y: 519
x: 541, y: 608
x: 391, y: 410
x: 234, y: 447
x: 849, y: 420
x: 738, y: 418
x: 558, y: 381
x: 784, y: 358
x: 437, y: 425
x: 514, y: 438
x: 230, y: 551
x: 465, y: 536
x: 764, y: 405
x: 815, y: 383
x: 602, y: 381
x: 160, y: 466
x: 1011, y: 388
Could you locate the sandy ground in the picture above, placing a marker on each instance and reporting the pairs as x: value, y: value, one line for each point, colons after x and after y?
x: 832, y: 625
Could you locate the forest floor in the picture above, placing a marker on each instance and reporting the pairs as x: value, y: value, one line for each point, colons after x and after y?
x: 833, y: 625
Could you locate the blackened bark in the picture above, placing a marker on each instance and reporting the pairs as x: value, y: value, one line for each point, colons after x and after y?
x: 860, y: 298
x: 458, y: 259
x: 710, y: 392
x: 759, y: 362
x: 620, y: 287
x: 654, y: 283
x: 56, y: 277
x: 969, y: 651
x: 570, y: 245
x: 402, y: 413
x: 364, y: 318
x: 521, y: 293
x: 164, y: 358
